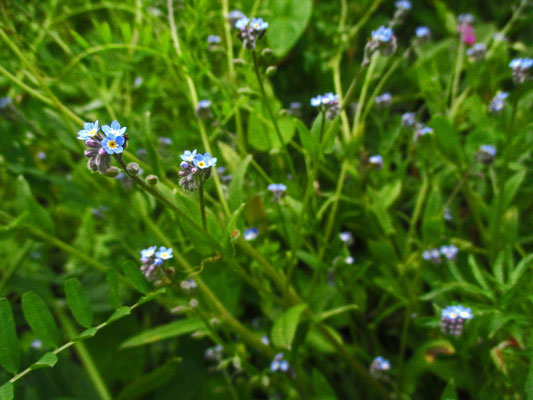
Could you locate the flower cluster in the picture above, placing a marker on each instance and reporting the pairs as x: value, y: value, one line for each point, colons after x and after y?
x: 251, y: 31
x: 382, y: 40
x: 195, y: 168
x: 434, y: 255
x: 497, y: 102
x: 379, y: 366
x: 100, y: 148
x: 327, y: 103
x: 486, y: 154
x: 204, y: 110
x: 277, y: 189
x: 521, y: 69
x: 453, y: 319
x: 153, y: 260
x: 419, y: 129
x: 279, y: 364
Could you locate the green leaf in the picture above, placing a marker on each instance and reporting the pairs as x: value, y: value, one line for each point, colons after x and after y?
x: 529, y: 380
x: 478, y: 275
x: 87, y: 333
x: 78, y: 302
x: 261, y: 132
x: 236, y: 185
x: 287, y: 23
x: 119, y: 313
x: 26, y: 202
x: 520, y: 269
x: 9, y: 345
x: 162, y: 332
x: 6, y: 391
x: 48, y: 360
x: 447, y: 139
x: 511, y: 187
x: 449, y: 392
x: 133, y: 274
x: 285, y: 326
x: 151, y: 381
x: 307, y: 138
x: 40, y: 319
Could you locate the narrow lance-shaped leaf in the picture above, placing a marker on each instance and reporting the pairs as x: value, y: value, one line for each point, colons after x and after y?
x: 9, y: 345
x: 172, y: 329
x: 40, y: 319
x: 78, y: 302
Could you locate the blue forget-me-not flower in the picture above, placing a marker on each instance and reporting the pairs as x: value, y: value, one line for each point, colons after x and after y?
x: 279, y: 364
x: 453, y: 319
x: 90, y: 130
x: 498, y: 101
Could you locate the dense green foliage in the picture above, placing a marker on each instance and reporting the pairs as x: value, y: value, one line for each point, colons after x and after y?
x: 72, y: 292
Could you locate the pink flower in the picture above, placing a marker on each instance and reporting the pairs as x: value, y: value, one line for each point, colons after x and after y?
x: 467, y: 33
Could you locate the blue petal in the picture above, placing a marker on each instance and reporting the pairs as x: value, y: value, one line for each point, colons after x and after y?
x: 106, y: 129
x: 115, y: 125
x: 108, y: 150
x: 120, y: 140
x: 122, y: 130
x: 119, y: 149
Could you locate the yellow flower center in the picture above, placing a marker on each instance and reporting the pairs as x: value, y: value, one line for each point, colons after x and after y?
x: 453, y: 315
x: 92, y: 132
x: 164, y: 255
x: 111, y: 144
x: 201, y: 164
x: 464, y: 314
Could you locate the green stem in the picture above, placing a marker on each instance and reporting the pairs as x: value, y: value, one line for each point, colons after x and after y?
x: 202, y: 204
x: 457, y: 76
x: 356, y: 131
x: 194, y: 102
x: 271, y: 114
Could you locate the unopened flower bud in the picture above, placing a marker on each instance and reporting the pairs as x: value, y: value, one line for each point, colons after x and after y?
x: 112, y: 172
x: 88, y: 153
x: 92, y: 143
x: 152, y: 180
x: 178, y: 310
x: 271, y: 70
x: 266, y: 53
x: 193, y: 303
x: 239, y: 61
x: 102, y: 151
x: 133, y: 168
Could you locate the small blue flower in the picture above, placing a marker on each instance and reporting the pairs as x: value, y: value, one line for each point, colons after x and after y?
x: 90, y: 129
x: 450, y: 252
x: 188, y: 155
x: 5, y: 102
x: 380, y: 364
x: 204, y: 104
x: 422, y: 32
x: 349, y: 260
x: 330, y: 98
x: 164, y: 253
x: 346, y: 237
x: 114, y: 129
x: 242, y: 23
x: 489, y: 149
x: 279, y: 364
x: 316, y: 101
x: 521, y: 63
x: 265, y: 340
x: 251, y: 233
x: 258, y: 24
x: 113, y: 144
x: 149, y: 252
x: 158, y: 262
x: 213, y: 39
x: 376, y: 160
x: 382, y: 34
x: 403, y: 5
x: 465, y: 19
x: 384, y: 99
x: 432, y: 255
x: 204, y: 161
x: 498, y: 102
x: 453, y: 313
x: 277, y: 187
x: 408, y: 119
